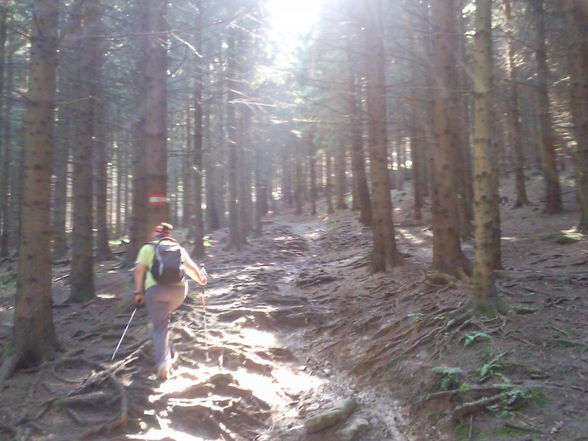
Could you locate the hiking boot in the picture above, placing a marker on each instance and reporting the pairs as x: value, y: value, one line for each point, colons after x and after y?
x: 162, y: 371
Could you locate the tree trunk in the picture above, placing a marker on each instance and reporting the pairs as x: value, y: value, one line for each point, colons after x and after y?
x: 298, y: 178
x: 155, y: 153
x: 515, y: 115
x: 232, y: 166
x: 553, y: 203
x: 384, y: 251
x: 4, y: 150
x: 312, y: 168
x: 34, y: 333
x: 287, y: 190
x: 340, y: 175
x: 82, y: 268
x: 357, y: 150
x: 244, y: 164
x: 14, y: 163
x: 329, y: 183
x: 215, y: 184
x: 102, y: 139
x: 447, y: 254
x: 577, y: 24
x: 486, y: 198
x: 461, y: 120
x: 198, y: 251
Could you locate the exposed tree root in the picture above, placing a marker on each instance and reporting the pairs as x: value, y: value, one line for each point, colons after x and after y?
x: 524, y: 428
x: 453, y: 392
x: 8, y: 428
x: 123, y: 415
x: 476, y: 406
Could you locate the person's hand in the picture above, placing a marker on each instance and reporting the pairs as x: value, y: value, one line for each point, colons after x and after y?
x: 139, y: 298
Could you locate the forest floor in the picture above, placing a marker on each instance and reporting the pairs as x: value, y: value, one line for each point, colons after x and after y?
x: 296, y: 323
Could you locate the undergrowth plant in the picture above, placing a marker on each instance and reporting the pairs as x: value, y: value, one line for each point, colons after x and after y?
x: 472, y: 337
x: 451, y: 377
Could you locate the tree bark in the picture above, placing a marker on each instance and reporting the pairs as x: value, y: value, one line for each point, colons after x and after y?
x: 515, y: 115
x: 198, y: 251
x: 486, y: 198
x: 155, y: 153
x: 235, y: 239
x: 4, y: 150
x: 340, y: 175
x: 447, y: 254
x: 577, y: 24
x: 34, y: 333
x: 329, y: 182
x: 82, y: 268
x: 384, y: 251
x: 553, y: 202
x: 102, y: 139
x: 312, y: 168
x: 357, y: 149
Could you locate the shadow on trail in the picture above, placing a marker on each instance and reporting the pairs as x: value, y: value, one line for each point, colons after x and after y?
x: 243, y: 367
x: 235, y: 377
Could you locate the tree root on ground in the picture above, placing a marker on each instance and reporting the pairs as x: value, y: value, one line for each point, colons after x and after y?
x: 476, y: 406
x: 524, y: 428
x: 8, y: 428
x: 453, y: 392
x: 122, y: 418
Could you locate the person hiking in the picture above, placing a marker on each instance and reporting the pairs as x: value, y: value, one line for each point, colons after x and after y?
x: 163, y: 296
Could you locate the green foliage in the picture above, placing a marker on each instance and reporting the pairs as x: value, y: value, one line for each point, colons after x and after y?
x: 492, y: 367
x: 515, y: 399
x: 8, y: 282
x: 470, y: 338
x: 451, y: 377
x: 462, y: 432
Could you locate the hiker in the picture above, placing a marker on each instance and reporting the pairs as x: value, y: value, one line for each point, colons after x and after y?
x: 161, y: 299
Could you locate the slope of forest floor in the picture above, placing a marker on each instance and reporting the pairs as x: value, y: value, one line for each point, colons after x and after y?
x: 296, y: 323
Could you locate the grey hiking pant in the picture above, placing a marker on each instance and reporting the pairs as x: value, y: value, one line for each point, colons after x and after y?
x: 161, y: 301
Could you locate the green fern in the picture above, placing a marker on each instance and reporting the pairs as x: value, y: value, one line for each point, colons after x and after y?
x: 472, y: 337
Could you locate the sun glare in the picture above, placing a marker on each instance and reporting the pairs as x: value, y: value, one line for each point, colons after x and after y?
x: 293, y: 17
x: 291, y: 21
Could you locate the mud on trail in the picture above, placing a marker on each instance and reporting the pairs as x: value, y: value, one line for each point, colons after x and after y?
x: 245, y: 368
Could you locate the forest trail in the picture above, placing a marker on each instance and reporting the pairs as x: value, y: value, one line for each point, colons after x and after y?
x: 243, y: 367
x: 296, y: 323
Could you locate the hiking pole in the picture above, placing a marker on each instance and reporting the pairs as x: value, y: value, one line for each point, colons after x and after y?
x: 204, y: 314
x: 124, y: 332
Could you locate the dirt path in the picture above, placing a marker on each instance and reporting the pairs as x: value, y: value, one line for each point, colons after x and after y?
x: 244, y: 369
